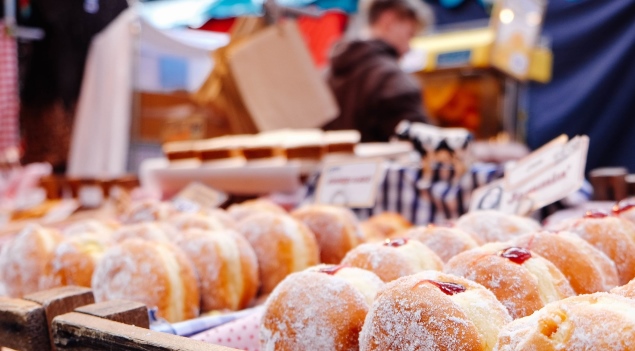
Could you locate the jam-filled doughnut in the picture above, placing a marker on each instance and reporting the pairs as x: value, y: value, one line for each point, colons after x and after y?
x: 394, y: 258
x: 444, y: 241
x: 336, y: 229
x: 588, y: 269
x: 321, y: 308
x: 598, y: 321
x: 612, y: 235
x: 74, y: 260
x: 245, y: 209
x: 494, y: 226
x: 282, y: 244
x: 155, y: 273
x: 384, y: 226
x: 521, y: 280
x: 625, y: 209
x: 226, y: 267
x: 24, y: 260
x: 433, y: 311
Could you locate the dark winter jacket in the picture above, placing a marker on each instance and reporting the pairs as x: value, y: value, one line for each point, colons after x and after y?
x: 372, y: 91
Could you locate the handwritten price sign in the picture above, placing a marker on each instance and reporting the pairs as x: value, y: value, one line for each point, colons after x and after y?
x: 353, y: 183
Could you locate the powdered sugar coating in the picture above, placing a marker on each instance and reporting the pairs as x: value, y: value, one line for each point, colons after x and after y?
x: 24, y: 260
x: 445, y: 242
x: 598, y: 321
x: 521, y: 288
x: 155, y: 273
x: 184, y: 221
x: 612, y: 235
x: 494, y: 226
x: 101, y: 229
x: 153, y: 231
x: 411, y: 313
x: 627, y: 290
x: 588, y: 269
x: 390, y: 263
x: 226, y: 266
x: 282, y: 244
x: 250, y: 207
x: 74, y: 260
x: 336, y: 229
x: 310, y: 310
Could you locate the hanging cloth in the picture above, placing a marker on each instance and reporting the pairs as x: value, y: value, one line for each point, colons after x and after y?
x: 9, y: 104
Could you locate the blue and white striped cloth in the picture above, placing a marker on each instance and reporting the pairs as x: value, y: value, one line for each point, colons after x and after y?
x: 444, y: 200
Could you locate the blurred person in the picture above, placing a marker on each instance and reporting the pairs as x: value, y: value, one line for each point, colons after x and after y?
x: 373, y: 93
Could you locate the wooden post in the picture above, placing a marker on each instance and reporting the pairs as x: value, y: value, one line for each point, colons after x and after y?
x: 77, y: 331
x: 126, y: 312
x: 23, y: 325
x: 61, y: 300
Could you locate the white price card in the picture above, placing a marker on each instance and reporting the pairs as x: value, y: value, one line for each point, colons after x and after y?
x: 197, y: 196
x: 544, y: 177
x: 352, y: 184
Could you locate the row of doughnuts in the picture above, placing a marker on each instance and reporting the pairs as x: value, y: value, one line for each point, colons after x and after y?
x: 491, y: 282
x: 181, y: 263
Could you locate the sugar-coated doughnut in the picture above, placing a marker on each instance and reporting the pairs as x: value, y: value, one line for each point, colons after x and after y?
x: 148, y: 211
x: 433, y: 311
x: 521, y: 280
x: 625, y: 209
x: 226, y: 266
x: 156, y: 231
x: 74, y: 260
x: 627, y: 290
x: 90, y: 226
x: 444, y: 241
x: 245, y: 209
x: 588, y: 269
x: 222, y: 216
x: 322, y: 308
x: 24, y: 260
x: 612, y: 235
x: 598, y: 321
x: 336, y: 229
x: 384, y: 226
x: 283, y: 245
x: 184, y: 221
x: 156, y: 273
x: 394, y: 258
x: 494, y: 226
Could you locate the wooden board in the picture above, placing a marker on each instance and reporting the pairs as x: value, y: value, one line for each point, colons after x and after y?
x: 61, y: 300
x: 76, y: 331
x: 23, y: 325
x: 127, y: 312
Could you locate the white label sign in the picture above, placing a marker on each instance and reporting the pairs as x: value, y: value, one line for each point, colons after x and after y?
x: 546, y: 176
x: 197, y: 196
x: 353, y: 184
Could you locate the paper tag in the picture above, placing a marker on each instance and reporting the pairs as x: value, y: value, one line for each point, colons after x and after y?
x: 197, y: 196
x: 90, y: 196
x: 352, y: 184
x: 61, y: 211
x: 544, y: 177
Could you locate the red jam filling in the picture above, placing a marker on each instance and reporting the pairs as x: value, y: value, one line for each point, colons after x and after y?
x: 623, y: 206
x: 596, y: 214
x: 447, y: 288
x: 396, y: 242
x: 516, y: 254
x: 332, y: 270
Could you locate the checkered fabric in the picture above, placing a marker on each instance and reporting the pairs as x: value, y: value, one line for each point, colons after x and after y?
x: 9, y: 104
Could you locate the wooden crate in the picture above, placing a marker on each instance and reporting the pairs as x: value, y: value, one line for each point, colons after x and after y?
x: 67, y: 318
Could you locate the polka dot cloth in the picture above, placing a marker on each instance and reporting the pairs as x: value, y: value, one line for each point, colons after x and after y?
x: 241, y: 334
